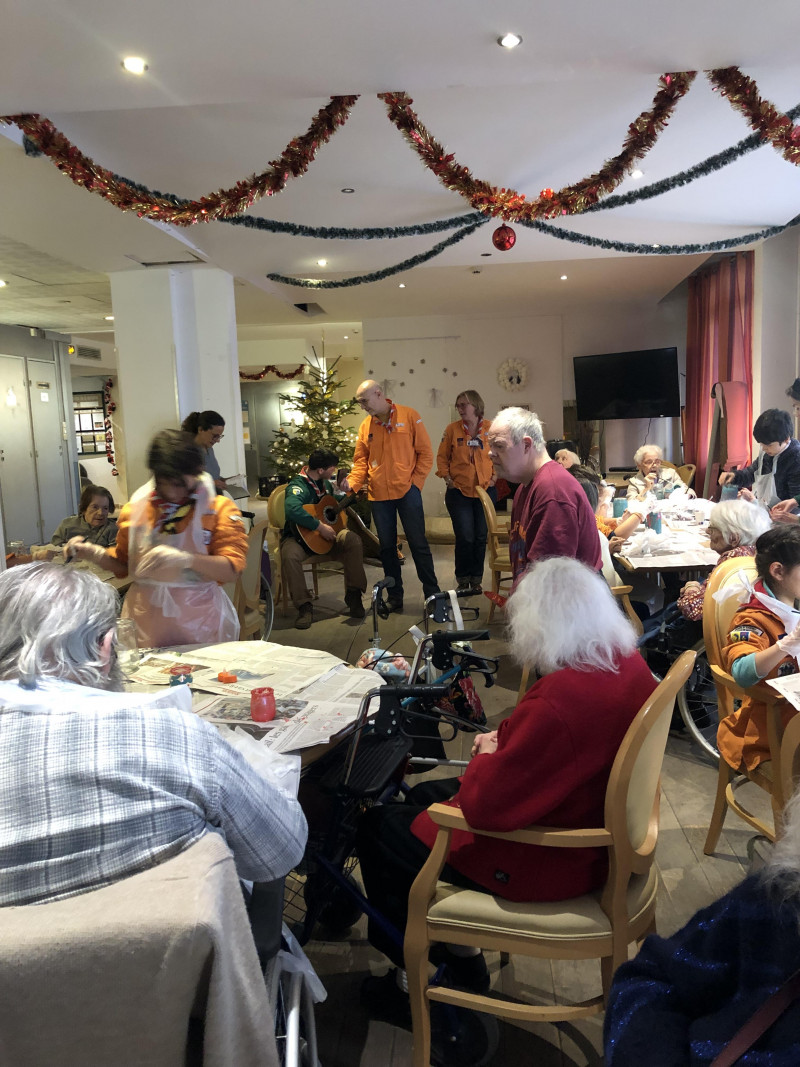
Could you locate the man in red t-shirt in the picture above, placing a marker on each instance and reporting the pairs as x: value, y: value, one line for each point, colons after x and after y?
x: 551, y: 515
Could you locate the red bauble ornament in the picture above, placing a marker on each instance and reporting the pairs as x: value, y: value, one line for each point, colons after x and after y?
x: 504, y: 238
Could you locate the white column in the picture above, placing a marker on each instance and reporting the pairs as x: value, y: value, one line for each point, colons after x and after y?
x: 175, y: 332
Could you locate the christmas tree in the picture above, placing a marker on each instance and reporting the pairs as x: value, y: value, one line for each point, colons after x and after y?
x: 322, y: 410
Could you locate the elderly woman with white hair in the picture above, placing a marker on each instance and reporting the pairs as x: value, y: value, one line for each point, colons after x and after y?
x: 652, y: 477
x: 548, y: 763
x: 683, y: 998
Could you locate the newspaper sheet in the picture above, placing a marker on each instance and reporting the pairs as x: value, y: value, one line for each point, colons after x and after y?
x: 788, y: 687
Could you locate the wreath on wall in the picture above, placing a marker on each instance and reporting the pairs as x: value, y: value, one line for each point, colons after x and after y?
x: 513, y: 374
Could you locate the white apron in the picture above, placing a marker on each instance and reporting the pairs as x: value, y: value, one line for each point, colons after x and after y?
x: 764, y: 484
x: 193, y: 611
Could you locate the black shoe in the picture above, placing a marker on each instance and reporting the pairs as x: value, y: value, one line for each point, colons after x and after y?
x: 352, y: 598
x: 476, y: 584
x: 394, y: 603
x: 384, y: 1000
x: 465, y: 972
x: 304, y: 618
x: 464, y: 585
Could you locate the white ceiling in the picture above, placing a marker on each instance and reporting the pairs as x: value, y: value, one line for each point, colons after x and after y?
x: 229, y: 86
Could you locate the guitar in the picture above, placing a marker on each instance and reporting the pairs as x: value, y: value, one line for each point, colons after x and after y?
x: 328, y: 510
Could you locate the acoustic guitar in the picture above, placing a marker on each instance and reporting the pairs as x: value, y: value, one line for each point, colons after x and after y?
x: 328, y: 510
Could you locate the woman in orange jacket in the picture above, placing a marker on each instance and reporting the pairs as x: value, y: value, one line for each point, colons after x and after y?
x: 463, y: 461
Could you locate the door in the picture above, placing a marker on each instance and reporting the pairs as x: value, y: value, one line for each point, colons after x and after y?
x: 20, y: 502
x: 49, y: 445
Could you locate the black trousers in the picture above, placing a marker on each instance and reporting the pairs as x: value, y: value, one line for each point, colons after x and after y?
x: 391, y: 857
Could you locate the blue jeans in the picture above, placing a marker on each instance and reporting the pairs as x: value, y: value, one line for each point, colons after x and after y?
x: 409, y: 508
x: 469, y: 527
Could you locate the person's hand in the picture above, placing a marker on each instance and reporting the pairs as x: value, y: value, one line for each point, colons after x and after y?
x: 725, y: 478
x: 783, y: 516
x: 448, y: 481
x: 784, y: 506
x: 76, y: 548
x: 484, y: 743
x: 327, y: 533
x: 162, y: 563
x: 747, y: 494
x: 790, y: 643
x: 691, y: 587
x: 344, y: 485
x: 615, y: 544
x: 42, y: 552
x: 492, y: 482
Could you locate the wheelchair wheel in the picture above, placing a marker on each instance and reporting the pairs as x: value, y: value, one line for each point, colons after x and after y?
x: 462, y: 1038
x: 330, y: 904
x: 697, y: 703
x: 295, y: 1033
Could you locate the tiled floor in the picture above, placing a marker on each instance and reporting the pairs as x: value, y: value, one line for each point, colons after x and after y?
x: 689, y: 880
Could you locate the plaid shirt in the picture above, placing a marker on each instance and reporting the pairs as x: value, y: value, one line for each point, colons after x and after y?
x: 97, y: 786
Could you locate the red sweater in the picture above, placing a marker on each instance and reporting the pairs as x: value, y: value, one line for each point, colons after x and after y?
x: 552, y: 517
x: 551, y: 767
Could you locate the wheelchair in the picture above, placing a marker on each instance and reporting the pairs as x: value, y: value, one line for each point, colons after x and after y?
x: 663, y: 641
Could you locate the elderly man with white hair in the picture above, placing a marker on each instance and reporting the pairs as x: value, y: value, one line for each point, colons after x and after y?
x: 99, y: 784
x: 652, y: 476
x: 551, y: 515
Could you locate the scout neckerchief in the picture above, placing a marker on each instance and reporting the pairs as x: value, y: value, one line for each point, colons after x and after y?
x: 169, y: 514
x: 392, y: 415
x: 318, y: 487
x: 473, y: 441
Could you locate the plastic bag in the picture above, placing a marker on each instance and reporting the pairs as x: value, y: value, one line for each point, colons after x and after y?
x: 281, y: 769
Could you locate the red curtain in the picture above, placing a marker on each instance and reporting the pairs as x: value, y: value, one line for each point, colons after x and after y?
x: 719, y: 347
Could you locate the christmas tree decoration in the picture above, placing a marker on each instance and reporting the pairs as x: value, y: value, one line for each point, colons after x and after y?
x: 320, y: 403
x: 504, y: 238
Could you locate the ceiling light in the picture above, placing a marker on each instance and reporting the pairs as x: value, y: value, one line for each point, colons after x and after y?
x: 322, y: 263
x: 3, y: 284
x: 347, y: 189
x: 402, y: 285
x: 486, y: 255
x: 656, y: 246
x: 108, y: 318
x: 563, y: 277
x: 637, y: 174
x: 134, y: 64
x: 347, y: 337
x: 509, y: 40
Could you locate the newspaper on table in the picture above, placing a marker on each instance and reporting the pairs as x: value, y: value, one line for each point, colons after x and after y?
x: 789, y: 687
x: 679, y: 549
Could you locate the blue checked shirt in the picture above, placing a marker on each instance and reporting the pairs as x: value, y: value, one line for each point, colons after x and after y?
x: 96, y: 786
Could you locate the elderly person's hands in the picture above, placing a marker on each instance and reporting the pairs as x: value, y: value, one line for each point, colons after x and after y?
x: 162, y: 563
x: 484, y: 743
x: 79, y: 548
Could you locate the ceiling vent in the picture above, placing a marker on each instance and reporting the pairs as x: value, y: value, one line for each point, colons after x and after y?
x: 85, y: 352
x: 310, y: 309
x: 186, y: 258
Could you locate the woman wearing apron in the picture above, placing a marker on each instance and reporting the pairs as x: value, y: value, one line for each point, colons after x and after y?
x: 775, y: 475
x: 180, y: 543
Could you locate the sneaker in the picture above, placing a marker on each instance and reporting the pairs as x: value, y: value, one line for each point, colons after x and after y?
x: 304, y: 618
x: 352, y: 598
x: 464, y: 972
x: 385, y: 1000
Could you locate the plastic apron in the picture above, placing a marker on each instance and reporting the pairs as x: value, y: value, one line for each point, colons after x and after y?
x: 192, y: 611
x: 764, y: 484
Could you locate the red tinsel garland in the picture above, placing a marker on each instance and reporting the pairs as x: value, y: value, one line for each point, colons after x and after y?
x: 224, y: 203
x: 110, y: 407
x: 511, y: 205
x: 272, y: 369
x: 763, y: 116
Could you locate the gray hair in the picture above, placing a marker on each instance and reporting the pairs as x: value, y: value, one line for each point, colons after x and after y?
x: 782, y: 870
x: 562, y: 614
x: 520, y: 423
x: 640, y: 453
x: 748, y: 520
x: 52, y: 623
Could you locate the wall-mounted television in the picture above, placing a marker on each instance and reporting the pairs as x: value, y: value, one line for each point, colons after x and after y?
x: 627, y: 385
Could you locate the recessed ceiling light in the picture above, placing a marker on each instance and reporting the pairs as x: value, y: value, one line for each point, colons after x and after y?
x: 134, y: 64
x: 322, y: 263
x: 486, y: 255
x: 656, y: 246
x: 402, y: 285
x: 109, y: 318
x: 637, y: 174
x: 347, y: 189
x: 347, y: 337
x: 3, y: 284
x: 509, y: 40
x: 563, y: 277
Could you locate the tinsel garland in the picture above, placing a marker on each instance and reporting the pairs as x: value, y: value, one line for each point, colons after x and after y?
x: 656, y: 249
x: 110, y: 407
x: 763, y: 116
x: 513, y: 206
x: 342, y: 233
x: 272, y: 369
x: 379, y: 275
x: 294, y: 161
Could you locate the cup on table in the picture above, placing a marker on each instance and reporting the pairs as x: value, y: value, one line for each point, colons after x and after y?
x: 620, y: 506
x: 262, y: 704
x: 127, y: 645
x: 653, y: 521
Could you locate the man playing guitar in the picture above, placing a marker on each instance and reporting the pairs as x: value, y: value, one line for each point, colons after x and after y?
x: 304, y: 528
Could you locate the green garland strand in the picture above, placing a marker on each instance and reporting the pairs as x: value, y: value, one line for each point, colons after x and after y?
x: 370, y: 233
x: 387, y: 272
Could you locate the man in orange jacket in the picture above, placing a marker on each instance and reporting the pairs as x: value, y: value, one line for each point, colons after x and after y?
x: 393, y: 457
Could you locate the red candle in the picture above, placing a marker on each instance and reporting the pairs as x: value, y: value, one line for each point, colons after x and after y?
x: 262, y: 704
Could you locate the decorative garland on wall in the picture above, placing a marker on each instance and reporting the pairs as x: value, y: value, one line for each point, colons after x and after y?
x: 293, y: 162
x: 379, y: 275
x: 111, y: 407
x: 272, y: 369
x: 508, y: 204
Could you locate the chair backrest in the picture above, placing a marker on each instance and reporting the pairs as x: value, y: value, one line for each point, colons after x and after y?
x: 631, y: 808
x: 493, y: 540
x: 790, y: 756
x: 685, y: 471
x: 248, y: 585
x: 718, y: 614
x: 276, y: 513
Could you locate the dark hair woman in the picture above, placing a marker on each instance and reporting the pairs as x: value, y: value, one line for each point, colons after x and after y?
x: 207, y: 427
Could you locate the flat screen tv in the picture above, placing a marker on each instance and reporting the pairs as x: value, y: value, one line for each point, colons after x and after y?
x: 627, y: 385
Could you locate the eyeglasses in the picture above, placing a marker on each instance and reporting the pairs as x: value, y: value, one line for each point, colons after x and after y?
x: 217, y: 436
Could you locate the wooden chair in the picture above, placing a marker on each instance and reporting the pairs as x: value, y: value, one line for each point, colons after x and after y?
x: 716, y: 627
x: 599, y: 925
x: 276, y: 516
x: 247, y: 591
x: 499, y: 560
x: 790, y: 757
x: 685, y: 471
